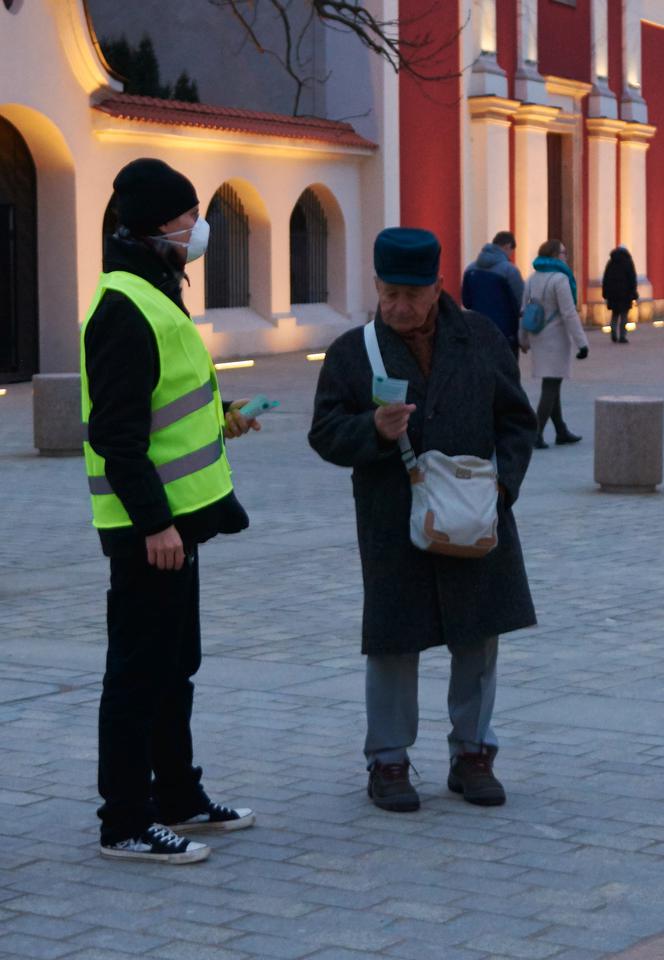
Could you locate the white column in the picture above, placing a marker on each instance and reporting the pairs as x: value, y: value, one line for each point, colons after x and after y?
x: 490, y: 167
x: 633, y: 107
x: 602, y: 205
x: 602, y: 101
x: 531, y: 220
x: 280, y: 263
x: 487, y: 78
x: 529, y: 85
x: 634, y: 141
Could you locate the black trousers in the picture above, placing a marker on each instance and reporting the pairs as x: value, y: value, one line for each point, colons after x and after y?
x: 146, y: 772
x: 549, y: 406
x: 618, y: 324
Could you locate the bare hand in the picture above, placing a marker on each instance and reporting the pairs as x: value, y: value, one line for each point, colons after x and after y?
x: 392, y: 419
x: 165, y: 549
x: 236, y: 424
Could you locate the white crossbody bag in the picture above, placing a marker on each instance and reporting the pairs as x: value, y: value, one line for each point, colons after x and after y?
x: 454, y: 499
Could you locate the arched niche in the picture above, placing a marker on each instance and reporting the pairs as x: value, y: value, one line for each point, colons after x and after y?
x: 19, y: 316
x: 57, y: 287
x: 248, y: 229
x: 318, y: 249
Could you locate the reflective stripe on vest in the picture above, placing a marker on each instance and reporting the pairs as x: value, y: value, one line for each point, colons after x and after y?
x: 176, y: 409
x: 173, y: 470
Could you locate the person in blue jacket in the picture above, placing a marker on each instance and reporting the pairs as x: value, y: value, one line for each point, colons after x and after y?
x: 493, y: 285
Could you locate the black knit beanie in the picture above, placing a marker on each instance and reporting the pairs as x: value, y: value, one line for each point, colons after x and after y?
x: 149, y: 193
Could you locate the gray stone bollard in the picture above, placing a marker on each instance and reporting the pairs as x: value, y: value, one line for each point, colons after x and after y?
x: 628, y: 443
x: 56, y: 407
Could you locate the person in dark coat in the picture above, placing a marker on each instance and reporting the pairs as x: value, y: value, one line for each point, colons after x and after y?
x: 619, y: 289
x: 493, y: 285
x: 146, y: 774
x: 464, y: 397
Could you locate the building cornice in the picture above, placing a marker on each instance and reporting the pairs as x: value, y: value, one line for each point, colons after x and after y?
x: 566, y: 87
x: 604, y: 128
x: 535, y: 116
x: 493, y: 108
x: 637, y: 132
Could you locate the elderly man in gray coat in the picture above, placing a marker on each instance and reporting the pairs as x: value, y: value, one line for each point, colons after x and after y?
x: 464, y: 397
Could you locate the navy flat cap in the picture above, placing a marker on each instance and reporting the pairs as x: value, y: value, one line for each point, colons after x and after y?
x: 408, y: 256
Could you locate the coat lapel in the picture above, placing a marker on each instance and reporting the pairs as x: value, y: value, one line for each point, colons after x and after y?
x: 449, y: 349
x: 399, y: 362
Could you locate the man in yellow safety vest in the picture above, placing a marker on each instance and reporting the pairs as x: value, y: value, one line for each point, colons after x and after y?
x: 160, y: 484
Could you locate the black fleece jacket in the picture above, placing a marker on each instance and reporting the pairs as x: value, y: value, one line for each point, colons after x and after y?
x: 122, y: 364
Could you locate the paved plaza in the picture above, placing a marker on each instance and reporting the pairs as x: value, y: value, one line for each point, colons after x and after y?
x: 572, y: 868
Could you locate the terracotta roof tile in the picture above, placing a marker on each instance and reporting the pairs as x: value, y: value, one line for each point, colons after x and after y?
x: 178, y: 113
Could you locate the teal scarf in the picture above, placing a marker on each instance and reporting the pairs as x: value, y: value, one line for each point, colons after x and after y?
x: 553, y: 264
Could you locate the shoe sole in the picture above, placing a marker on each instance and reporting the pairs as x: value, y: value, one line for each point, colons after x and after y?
x: 226, y: 825
x: 189, y: 856
x: 480, y: 800
x: 401, y: 803
x: 397, y: 806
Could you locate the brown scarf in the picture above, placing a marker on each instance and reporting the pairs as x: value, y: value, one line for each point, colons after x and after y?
x: 420, y: 341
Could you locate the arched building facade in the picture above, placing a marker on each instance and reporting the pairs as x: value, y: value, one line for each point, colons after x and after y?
x: 67, y: 127
x: 554, y: 126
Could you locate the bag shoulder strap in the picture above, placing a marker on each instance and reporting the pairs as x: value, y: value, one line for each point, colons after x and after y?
x: 373, y: 350
x: 378, y: 368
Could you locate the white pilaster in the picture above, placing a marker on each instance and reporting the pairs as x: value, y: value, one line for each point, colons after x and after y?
x: 634, y: 142
x: 602, y: 101
x: 487, y: 78
x: 531, y: 219
x: 280, y: 263
x: 602, y: 204
x: 633, y: 107
x: 529, y: 85
x: 490, y: 167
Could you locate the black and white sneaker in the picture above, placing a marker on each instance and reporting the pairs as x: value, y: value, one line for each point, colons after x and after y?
x: 218, y: 817
x: 157, y: 843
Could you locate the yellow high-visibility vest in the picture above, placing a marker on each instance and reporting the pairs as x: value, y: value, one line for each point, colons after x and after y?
x: 186, y: 435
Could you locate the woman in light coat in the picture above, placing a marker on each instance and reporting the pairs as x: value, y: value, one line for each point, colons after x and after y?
x: 553, y: 285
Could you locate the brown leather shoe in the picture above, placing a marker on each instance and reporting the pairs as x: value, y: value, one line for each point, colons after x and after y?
x: 472, y: 775
x: 390, y: 788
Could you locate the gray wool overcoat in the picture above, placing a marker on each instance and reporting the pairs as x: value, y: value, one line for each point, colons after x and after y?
x: 472, y: 403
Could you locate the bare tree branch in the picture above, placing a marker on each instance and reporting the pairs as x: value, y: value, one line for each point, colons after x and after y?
x: 408, y: 45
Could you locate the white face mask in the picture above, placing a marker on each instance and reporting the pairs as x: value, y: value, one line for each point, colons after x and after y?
x: 198, y: 241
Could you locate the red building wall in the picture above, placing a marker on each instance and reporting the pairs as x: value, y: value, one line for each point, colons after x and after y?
x: 506, y: 28
x: 564, y: 39
x: 652, y: 40
x: 615, y: 47
x: 430, y: 135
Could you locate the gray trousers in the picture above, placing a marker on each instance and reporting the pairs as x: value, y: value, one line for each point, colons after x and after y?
x: 392, y: 707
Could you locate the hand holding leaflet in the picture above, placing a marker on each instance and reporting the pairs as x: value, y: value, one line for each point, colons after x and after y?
x: 257, y: 406
x: 386, y: 390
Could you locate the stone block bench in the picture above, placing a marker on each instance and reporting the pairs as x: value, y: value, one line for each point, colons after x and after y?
x: 56, y: 408
x: 628, y: 443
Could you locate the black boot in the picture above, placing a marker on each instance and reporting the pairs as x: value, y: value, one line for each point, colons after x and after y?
x: 567, y: 437
x: 540, y: 443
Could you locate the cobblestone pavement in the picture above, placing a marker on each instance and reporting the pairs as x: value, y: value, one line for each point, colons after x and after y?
x: 572, y: 868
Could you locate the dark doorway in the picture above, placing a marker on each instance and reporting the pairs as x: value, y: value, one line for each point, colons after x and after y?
x: 227, y: 260
x: 308, y: 250
x: 19, y: 326
x: 560, y: 193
